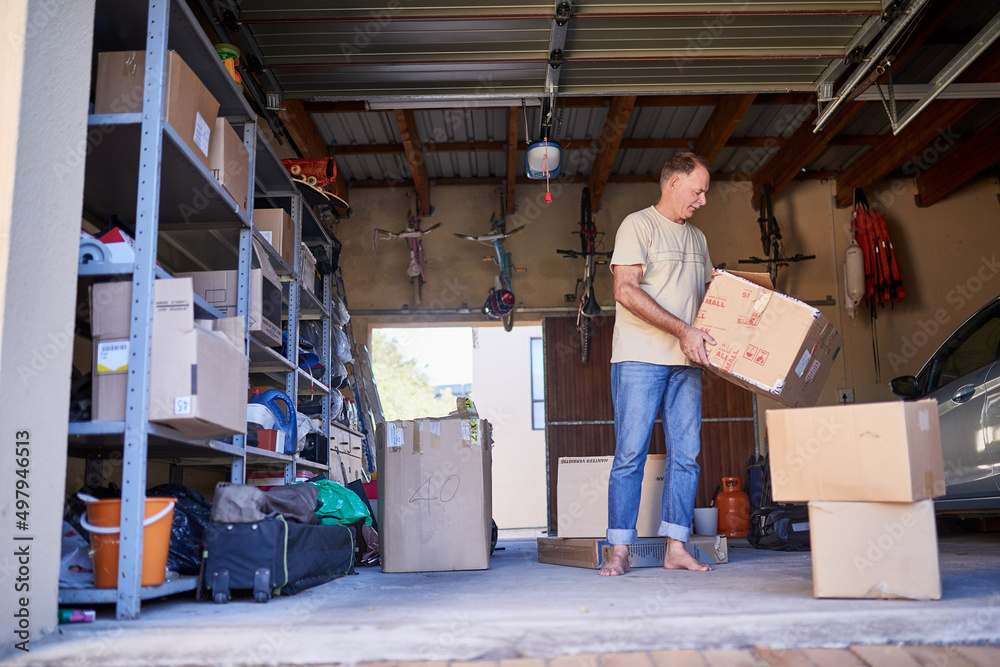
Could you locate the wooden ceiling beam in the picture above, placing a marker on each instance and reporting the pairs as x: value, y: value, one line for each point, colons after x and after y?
x: 804, y: 144
x: 415, y: 157
x: 303, y: 133
x: 512, y: 117
x: 726, y: 116
x: 614, y: 129
x: 933, y: 122
x: 975, y: 154
x: 894, y: 150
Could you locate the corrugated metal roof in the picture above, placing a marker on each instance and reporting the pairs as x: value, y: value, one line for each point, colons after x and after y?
x: 496, y: 53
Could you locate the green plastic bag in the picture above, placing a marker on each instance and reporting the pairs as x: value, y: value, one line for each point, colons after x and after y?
x: 339, y: 505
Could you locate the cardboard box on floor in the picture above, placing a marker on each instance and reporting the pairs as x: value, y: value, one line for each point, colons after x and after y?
x: 189, y: 106
x: 874, y: 550
x: 649, y: 552
x: 278, y: 229
x: 435, y: 508
x: 888, y: 452
x: 198, y: 372
x: 229, y: 161
x: 582, y: 496
x: 220, y: 289
x: 767, y: 342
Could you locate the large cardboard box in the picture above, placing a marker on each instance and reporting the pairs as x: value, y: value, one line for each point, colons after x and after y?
x: 582, y: 496
x: 874, y: 550
x: 198, y: 373
x: 592, y: 553
x: 220, y: 289
x: 189, y: 107
x: 767, y: 342
x: 229, y: 161
x: 435, y: 494
x: 887, y: 452
x: 278, y: 229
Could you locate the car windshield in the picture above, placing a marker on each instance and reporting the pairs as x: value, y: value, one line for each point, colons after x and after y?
x: 973, y: 346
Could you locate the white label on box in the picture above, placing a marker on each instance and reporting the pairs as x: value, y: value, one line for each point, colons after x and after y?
x: 925, y: 420
x: 800, y: 368
x: 470, y: 432
x: 112, y: 357
x: 202, y: 133
x: 182, y: 405
x: 267, y: 236
x: 393, y: 436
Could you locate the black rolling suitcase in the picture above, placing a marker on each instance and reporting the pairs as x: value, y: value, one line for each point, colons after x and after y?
x: 274, y: 557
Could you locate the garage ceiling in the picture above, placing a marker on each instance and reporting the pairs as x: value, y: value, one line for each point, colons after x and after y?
x: 429, y: 92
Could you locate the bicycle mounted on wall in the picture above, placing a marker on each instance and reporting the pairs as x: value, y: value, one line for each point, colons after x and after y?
x: 770, y: 240
x: 587, y: 306
x: 500, y: 301
x: 412, y: 233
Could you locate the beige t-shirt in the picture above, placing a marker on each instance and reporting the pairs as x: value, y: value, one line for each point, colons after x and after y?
x: 675, y: 269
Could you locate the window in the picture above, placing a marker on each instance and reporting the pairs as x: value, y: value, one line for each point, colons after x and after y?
x: 537, y: 386
x: 975, y: 345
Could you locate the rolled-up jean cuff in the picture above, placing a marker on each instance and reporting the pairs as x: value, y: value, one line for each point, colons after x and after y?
x: 671, y: 530
x: 622, y: 535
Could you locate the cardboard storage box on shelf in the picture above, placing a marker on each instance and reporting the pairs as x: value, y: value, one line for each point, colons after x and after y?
x: 189, y: 106
x: 767, y: 342
x: 278, y: 229
x: 198, y: 372
x: 220, y: 289
x: 874, y: 550
x: 229, y: 161
x: 883, y: 452
x: 435, y: 494
x: 592, y: 553
x: 582, y: 496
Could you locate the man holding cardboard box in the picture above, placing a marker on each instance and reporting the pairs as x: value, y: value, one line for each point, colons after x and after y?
x: 661, y: 269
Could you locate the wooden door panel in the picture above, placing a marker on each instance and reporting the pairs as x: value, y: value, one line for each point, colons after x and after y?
x: 580, y: 415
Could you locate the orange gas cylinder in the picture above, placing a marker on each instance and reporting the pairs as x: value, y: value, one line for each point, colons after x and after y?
x: 734, y: 508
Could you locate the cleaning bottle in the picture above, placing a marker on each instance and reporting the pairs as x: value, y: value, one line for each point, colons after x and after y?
x: 734, y: 508
x: 284, y: 415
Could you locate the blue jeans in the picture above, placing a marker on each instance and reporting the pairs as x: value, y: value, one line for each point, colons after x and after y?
x: 639, y: 391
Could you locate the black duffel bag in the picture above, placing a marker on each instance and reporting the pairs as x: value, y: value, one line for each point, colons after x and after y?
x: 780, y: 528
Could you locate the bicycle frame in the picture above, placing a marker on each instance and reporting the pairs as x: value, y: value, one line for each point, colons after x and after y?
x: 412, y: 234
x: 587, y: 306
x: 505, y: 264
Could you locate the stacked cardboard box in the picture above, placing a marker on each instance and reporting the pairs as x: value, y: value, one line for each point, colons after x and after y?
x: 435, y: 508
x: 869, y: 473
x: 198, y: 369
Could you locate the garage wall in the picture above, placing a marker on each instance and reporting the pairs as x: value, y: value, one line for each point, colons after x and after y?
x: 948, y: 254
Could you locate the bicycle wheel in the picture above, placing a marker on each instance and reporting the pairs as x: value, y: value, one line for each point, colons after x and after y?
x: 508, y: 320
x: 586, y: 330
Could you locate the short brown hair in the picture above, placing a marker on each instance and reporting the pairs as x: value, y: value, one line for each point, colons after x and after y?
x: 680, y: 163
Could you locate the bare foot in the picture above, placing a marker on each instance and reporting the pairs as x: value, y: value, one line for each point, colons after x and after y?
x: 679, y: 558
x: 618, y: 564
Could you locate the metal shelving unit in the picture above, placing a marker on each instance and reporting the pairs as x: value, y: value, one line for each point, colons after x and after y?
x: 142, y: 168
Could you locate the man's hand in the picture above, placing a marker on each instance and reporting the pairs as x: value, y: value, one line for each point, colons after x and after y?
x: 693, y: 342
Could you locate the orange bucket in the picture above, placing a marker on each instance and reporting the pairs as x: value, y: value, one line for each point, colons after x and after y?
x: 102, y: 521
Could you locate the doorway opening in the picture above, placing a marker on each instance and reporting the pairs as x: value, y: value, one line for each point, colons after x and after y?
x: 419, y: 372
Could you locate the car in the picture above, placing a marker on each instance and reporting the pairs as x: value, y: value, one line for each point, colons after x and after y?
x: 963, y: 376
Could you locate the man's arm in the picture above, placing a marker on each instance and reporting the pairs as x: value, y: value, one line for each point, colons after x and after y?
x: 630, y: 295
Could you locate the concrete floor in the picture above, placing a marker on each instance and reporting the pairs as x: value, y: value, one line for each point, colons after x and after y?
x: 521, y: 608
